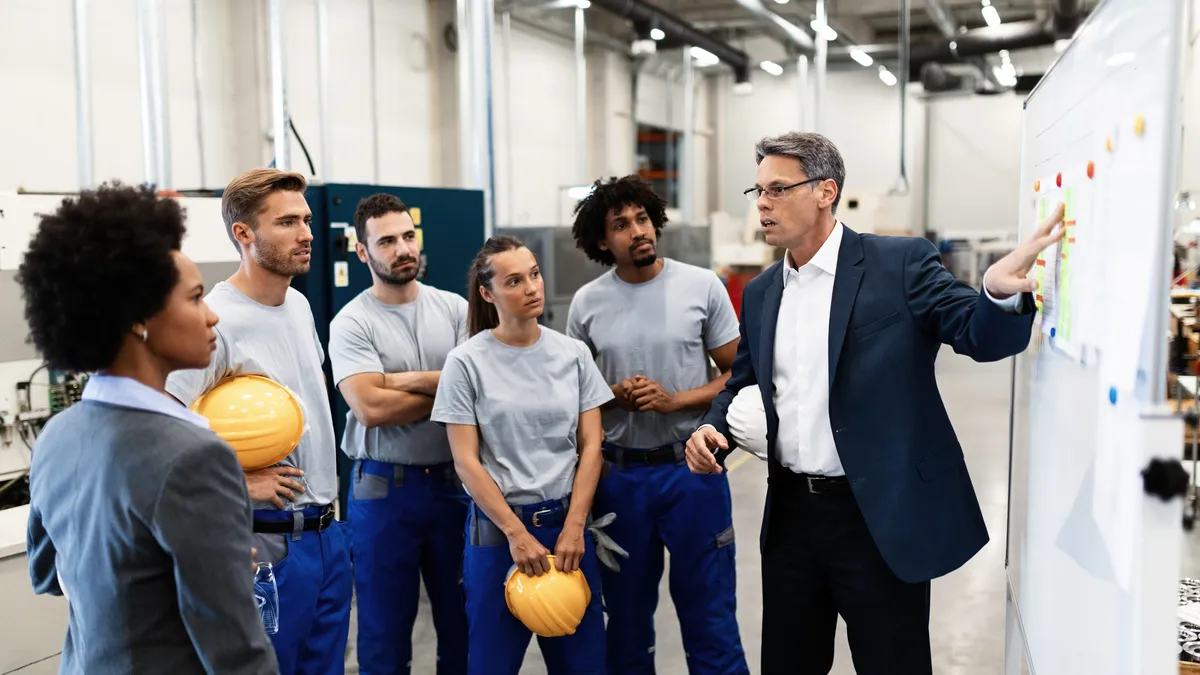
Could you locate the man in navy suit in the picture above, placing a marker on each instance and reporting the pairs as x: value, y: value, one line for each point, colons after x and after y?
x: 868, y: 495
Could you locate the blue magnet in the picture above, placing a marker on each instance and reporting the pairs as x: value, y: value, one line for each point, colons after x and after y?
x: 1051, y: 332
x: 1112, y: 395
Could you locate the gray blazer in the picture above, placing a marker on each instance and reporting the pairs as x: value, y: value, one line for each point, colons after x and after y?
x: 146, y: 519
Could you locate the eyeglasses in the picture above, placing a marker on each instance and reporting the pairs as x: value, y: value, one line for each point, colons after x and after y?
x: 776, y: 191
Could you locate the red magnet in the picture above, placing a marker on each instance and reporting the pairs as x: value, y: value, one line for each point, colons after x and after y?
x: 1091, y: 169
x: 1058, y: 180
x: 1037, y: 185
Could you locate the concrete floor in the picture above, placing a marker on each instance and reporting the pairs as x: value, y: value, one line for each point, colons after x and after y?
x: 967, y: 623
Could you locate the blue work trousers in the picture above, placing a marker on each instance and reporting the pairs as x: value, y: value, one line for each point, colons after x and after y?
x: 498, y: 639
x: 666, y: 505
x: 314, y: 577
x: 406, y: 522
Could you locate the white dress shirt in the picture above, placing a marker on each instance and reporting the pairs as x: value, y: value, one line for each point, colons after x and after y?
x: 129, y: 393
x: 801, y: 375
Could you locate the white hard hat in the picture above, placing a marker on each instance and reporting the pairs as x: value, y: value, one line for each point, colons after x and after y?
x: 748, y: 422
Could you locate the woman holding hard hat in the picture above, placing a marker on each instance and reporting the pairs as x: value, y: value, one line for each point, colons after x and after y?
x: 138, y: 511
x: 521, y: 405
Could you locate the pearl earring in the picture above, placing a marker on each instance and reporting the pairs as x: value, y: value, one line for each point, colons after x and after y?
x: 145, y: 334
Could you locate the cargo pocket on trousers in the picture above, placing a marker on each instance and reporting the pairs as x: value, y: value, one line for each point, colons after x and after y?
x: 370, y: 486
x: 484, y: 532
x: 271, y: 548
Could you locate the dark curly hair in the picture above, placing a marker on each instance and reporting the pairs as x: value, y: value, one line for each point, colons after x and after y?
x: 616, y: 193
x: 95, y: 267
x: 375, y: 206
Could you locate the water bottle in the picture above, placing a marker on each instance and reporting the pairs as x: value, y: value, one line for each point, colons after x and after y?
x: 266, y: 595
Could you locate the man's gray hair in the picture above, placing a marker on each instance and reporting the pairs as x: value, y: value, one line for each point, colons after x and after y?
x: 818, y: 156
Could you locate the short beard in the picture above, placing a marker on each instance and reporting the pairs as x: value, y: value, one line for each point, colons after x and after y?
x: 391, y: 276
x: 275, y: 259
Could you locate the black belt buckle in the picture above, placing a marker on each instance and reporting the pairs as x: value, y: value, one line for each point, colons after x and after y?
x: 538, y: 513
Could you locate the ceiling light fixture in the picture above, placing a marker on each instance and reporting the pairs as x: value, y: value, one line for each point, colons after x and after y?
x: 771, y: 67
x: 824, y: 30
x: 657, y: 34
x: 864, y: 59
x: 886, y: 75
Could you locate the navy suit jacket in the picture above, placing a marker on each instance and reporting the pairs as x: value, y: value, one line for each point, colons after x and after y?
x: 894, y: 304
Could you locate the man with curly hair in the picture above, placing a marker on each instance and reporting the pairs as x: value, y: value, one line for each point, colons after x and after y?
x: 267, y: 329
x: 138, y: 512
x: 653, y: 325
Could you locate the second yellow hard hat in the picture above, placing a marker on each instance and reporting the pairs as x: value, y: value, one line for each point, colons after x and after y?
x: 550, y: 605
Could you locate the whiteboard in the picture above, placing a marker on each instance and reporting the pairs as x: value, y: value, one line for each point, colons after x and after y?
x: 1093, y: 561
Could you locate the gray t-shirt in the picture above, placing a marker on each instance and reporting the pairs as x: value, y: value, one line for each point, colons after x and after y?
x: 662, y: 329
x: 369, y: 336
x: 526, y: 402
x: 280, y: 343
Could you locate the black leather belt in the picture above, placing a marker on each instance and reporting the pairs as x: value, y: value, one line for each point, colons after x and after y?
x: 317, y: 524
x: 664, y: 454
x: 812, y: 483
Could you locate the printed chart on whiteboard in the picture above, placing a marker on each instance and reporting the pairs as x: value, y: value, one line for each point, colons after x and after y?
x: 1078, y: 283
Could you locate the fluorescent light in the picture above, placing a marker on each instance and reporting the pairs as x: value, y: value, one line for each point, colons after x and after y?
x: 771, y: 67
x: 781, y: 2
x: 864, y: 59
x: 991, y: 16
x: 886, y: 75
x: 657, y: 34
x: 824, y: 30
x: 704, y: 57
x: 584, y: 4
x: 742, y: 88
x: 579, y: 192
x: 1005, y: 76
x: 1004, y: 54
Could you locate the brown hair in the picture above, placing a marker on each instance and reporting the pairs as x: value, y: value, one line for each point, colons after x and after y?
x: 481, y: 314
x: 244, y: 196
x: 373, y: 207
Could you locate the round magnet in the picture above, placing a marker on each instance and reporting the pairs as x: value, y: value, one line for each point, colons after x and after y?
x: 1139, y: 125
x: 1058, y: 179
x: 1037, y: 186
x: 1112, y: 395
x: 1108, y: 143
x: 1091, y: 170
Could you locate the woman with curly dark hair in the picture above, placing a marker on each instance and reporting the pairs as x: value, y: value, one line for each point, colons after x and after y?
x: 138, y: 512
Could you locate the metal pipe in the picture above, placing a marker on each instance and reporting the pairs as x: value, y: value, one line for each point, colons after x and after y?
x: 678, y: 30
x: 949, y: 28
x: 486, y: 19
x: 581, y: 135
x: 196, y: 92
x: 902, y: 76
x: 323, y: 111
x: 374, y: 74
x: 822, y: 56
x: 975, y: 42
x: 145, y: 12
x: 279, y: 112
x: 506, y: 42
x: 802, y: 82
x: 83, y: 97
x: 162, y: 119
x: 466, y: 105
x: 783, y: 29
x: 687, y: 160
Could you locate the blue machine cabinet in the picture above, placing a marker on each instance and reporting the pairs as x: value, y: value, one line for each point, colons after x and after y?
x: 451, y: 225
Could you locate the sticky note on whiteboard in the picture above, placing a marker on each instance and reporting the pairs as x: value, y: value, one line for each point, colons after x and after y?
x: 420, y: 238
x: 341, y: 274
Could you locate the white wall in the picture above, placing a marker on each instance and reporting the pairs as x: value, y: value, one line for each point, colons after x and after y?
x: 660, y: 103
x: 861, y: 117
x: 975, y: 155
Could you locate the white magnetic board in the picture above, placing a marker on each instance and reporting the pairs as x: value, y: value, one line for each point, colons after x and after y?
x: 1092, y: 560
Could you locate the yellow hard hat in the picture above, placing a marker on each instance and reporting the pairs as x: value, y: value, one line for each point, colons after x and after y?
x: 550, y: 605
x: 259, y: 418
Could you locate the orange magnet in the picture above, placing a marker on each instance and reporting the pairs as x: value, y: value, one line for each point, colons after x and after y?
x: 1091, y: 169
x: 1139, y: 125
x: 1058, y: 180
x: 1037, y: 185
x: 1108, y: 144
